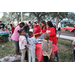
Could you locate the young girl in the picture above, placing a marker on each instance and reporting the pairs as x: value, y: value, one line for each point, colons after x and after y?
x: 32, y: 41
x: 46, y: 47
x: 22, y: 43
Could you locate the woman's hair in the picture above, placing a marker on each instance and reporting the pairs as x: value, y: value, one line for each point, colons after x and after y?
x: 49, y: 23
x: 20, y: 31
x: 44, y: 24
x: 22, y: 23
x: 35, y: 22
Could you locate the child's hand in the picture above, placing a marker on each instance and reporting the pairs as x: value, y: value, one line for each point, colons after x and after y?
x: 26, y: 47
x: 49, y: 56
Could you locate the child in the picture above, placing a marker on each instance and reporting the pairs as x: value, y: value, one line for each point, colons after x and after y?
x: 22, y: 44
x: 46, y: 47
x: 8, y: 26
x: 32, y: 41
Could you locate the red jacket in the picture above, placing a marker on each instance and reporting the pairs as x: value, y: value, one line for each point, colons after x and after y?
x: 12, y: 29
x: 52, y: 35
x: 37, y: 29
x: 43, y: 30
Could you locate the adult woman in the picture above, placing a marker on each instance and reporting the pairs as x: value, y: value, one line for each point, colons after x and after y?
x: 43, y: 23
x: 52, y: 35
x: 15, y: 37
x: 37, y: 30
x: 43, y: 28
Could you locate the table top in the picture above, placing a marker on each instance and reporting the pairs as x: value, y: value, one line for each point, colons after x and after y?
x: 4, y: 33
x: 69, y: 28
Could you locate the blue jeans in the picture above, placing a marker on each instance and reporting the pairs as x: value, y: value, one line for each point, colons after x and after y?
x: 56, y: 55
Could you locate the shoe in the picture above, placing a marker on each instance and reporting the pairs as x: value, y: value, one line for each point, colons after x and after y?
x: 55, y: 59
x: 18, y: 55
x: 25, y: 60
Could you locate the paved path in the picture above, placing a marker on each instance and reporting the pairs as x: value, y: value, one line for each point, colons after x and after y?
x: 64, y: 35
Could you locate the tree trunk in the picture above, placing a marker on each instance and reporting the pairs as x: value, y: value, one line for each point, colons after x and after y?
x: 57, y: 20
x: 17, y: 21
x: 21, y: 16
x: 38, y: 18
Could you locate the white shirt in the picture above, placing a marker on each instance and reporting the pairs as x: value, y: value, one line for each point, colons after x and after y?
x: 8, y: 26
x: 22, y: 42
x: 59, y: 25
x: 32, y: 41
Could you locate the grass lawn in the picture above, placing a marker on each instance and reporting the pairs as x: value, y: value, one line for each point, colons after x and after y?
x: 65, y: 50
x: 7, y: 49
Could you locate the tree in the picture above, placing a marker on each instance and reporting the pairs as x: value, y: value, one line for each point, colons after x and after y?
x: 59, y: 16
x: 39, y: 15
x: 71, y: 15
x: 5, y: 17
x: 11, y: 17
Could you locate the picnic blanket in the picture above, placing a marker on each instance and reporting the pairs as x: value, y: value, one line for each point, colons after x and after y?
x: 39, y: 51
x: 10, y: 58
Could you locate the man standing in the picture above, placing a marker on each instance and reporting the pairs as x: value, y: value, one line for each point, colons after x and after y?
x: 1, y: 25
x: 59, y: 27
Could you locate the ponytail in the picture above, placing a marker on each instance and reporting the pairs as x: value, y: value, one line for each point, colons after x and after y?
x: 19, y: 31
x: 48, y: 43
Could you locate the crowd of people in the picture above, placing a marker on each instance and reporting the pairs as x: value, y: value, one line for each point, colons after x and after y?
x: 25, y: 40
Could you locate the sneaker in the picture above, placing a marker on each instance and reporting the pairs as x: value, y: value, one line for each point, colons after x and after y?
x: 55, y: 59
x: 18, y: 55
x: 25, y: 60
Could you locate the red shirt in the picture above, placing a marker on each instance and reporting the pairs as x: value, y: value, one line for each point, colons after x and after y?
x: 52, y: 35
x: 37, y: 29
x: 43, y: 30
x: 12, y: 29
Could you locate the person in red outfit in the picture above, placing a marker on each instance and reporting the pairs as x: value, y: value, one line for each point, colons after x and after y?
x: 12, y: 28
x: 52, y: 35
x: 37, y: 30
x: 43, y: 23
x: 43, y: 28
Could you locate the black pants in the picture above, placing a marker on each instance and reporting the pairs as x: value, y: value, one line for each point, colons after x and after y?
x: 59, y: 29
x: 45, y: 58
x: 26, y: 55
